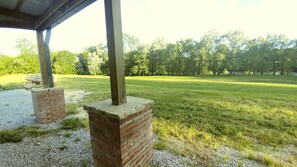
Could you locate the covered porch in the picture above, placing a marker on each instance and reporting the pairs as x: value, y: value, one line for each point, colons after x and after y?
x: 121, y: 129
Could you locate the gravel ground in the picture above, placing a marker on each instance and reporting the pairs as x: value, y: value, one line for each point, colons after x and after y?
x: 59, y: 150
x: 226, y: 156
x: 167, y: 159
x: 16, y: 108
x: 56, y: 150
x: 229, y: 157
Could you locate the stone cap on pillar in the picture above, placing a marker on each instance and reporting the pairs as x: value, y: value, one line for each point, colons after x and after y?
x: 133, y: 105
x: 57, y: 88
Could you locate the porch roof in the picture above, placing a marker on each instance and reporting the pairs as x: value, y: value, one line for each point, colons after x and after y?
x: 38, y: 14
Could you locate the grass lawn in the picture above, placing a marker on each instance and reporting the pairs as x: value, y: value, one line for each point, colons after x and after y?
x: 12, y: 81
x: 251, y: 114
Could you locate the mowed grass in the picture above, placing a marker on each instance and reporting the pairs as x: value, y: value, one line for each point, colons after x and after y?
x: 242, y: 112
x: 239, y: 110
x: 12, y: 81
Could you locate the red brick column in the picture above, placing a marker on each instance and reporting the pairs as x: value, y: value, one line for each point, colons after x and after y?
x: 49, y: 104
x: 121, y: 135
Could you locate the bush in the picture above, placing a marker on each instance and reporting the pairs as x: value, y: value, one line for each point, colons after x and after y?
x: 73, y: 123
x: 10, y: 136
x: 159, y: 145
x: 72, y: 109
x: 17, y: 134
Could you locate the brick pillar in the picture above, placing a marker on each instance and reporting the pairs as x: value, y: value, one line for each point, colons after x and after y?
x: 121, y: 135
x: 49, y: 104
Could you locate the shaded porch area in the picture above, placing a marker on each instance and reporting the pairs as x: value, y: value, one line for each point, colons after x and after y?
x: 121, y: 129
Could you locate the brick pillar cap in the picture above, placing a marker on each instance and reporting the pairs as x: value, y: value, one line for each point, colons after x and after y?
x: 58, y: 88
x: 133, y: 105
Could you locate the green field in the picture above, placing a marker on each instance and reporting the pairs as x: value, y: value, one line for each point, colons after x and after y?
x: 256, y: 115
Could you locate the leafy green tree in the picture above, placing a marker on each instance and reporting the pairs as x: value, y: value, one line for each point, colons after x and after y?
x: 25, y: 64
x: 206, y: 49
x: 157, y: 57
x: 189, y: 54
x: 284, y: 43
x: 27, y: 60
x: 201, y: 59
x: 179, y: 61
x: 274, y: 52
x: 218, y: 59
x: 262, y: 57
x: 63, y: 62
x: 130, y: 43
x: 236, y: 41
x: 25, y: 47
x: 93, y: 60
x: 138, y: 62
x: 169, y: 58
x: 294, y: 56
x: 5, y: 65
x: 81, y: 65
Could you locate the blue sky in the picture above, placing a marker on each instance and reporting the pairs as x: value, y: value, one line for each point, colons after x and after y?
x: 171, y: 19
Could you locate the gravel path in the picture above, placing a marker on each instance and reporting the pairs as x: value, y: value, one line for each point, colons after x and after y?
x: 16, y: 108
x: 167, y: 159
x: 60, y: 150
x: 56, y: 150
x: 229, y: 157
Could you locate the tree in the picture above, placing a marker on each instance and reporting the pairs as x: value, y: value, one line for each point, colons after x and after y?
x: 93, y: 60
x: 25, y: 47
x: 179, y: 63
x: 170, y: 58
x: 262, y: 57
x: 283, y: 45
x: 274, y: 53
x: 294, y: 56
x: 218, y: 59
x: 205, y: 50
x: 81, y: 65
x: 236, y: 42
x: 5, y: 65
x: 138, y: 62
x: 63, y: 62
x: 157, y: 57
x: 188, y: 53
x: 248, y: 60
x: 27, y: 60
x: 130, y: 43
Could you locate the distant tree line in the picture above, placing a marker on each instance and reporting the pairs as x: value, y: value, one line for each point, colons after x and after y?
x: 214, y: 53
x: 92, y: 61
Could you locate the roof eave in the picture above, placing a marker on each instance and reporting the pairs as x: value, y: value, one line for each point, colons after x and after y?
x: 64, y: 12
x: 56, y: 13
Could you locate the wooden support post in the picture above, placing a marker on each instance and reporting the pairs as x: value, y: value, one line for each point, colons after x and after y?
x: 115, y: 51
x: 44, y: 59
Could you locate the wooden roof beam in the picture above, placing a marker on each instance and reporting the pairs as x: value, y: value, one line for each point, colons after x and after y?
x: 49, y: 11
x: 17, y: 15
x: 63, y: 13
x: 17, y: 24
x: 19, y: 5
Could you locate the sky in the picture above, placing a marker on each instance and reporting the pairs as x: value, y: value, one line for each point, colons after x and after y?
x: 171, y: 19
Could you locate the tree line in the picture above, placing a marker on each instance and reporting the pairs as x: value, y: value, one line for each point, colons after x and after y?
x: 214, y: 53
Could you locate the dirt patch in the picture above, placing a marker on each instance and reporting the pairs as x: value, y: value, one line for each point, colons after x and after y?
x: 75, y: 96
